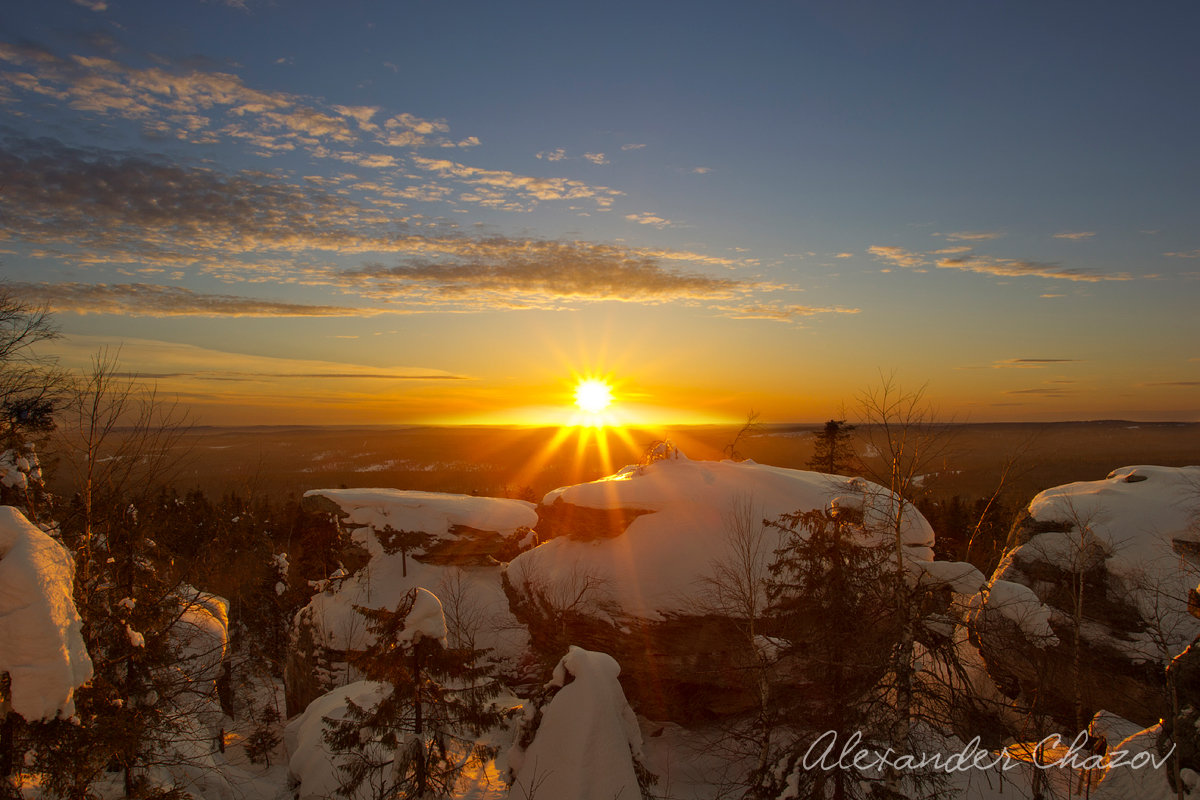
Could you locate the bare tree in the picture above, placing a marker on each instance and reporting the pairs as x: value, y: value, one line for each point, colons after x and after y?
x: 904, y: 441
x: 30, y: 383
x: 736, y: 590
x: 120, y: 441
x: 751, y: 427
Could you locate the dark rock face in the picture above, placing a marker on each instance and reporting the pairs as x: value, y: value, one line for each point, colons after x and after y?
x: 1053, y: 679
x: 581, y: 523
x: 683, y: 668
x: 461, y: 545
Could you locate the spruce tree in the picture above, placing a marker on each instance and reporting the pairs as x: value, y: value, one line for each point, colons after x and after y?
x: 830, y: 605
x: 834, y: 455
x: 417, y: 740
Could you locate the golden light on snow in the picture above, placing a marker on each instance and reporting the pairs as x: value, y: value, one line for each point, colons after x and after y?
x: 593, y: 395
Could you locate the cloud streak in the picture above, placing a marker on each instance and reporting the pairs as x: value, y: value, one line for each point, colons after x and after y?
x: 147, y: 300
x: 538, y: 274
x: 1019, y: 268
x: 1032, y: 363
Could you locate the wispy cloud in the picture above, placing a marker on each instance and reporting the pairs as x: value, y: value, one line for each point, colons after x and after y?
x: 1032, y: 363
x: 1187, y: 254
x: 504, y: 273
x: 557, y: 154
x: 701, y: 170
x: 784, y: 312
x: 92, y: 5
x: 147, y: 300
x: 645, y: 218
x: 1044, y: 391
x: 205, y: 106
x: 970, y: 236
x: 1075, y: 235
x: 157, y: 360
x: 1018, y: 268
x: 632, y: 146
x: 897, y: 255
x: 508, y: 190
x: 596, y: 158
x: 1178, y: 384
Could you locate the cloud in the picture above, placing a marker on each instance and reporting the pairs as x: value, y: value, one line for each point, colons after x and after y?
x: 1188, y: 254
x: 783, y: 312
x: 701, y: 170
x: 1046, y: 391
x: 1032, y: 363
x: 632, y: 146
x: 971, y: 236
x: 145, y: 214
x: 645, y: 218
x: 843, y: 255
x: 558, y: 154
x: 1181, y: 384
x: 93, y: 5
x: 117, y: 206
x: 1075, y: 235
x: 896, y: 255
x: 596, y: 158
x: 157, y: 360
x: 206, y: 106
x: 1017, y: 268
x: 494, y: 185
x: 146, y: 300
x: 503, y: 273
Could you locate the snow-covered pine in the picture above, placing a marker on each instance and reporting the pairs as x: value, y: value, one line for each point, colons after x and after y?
x: 425, y: 727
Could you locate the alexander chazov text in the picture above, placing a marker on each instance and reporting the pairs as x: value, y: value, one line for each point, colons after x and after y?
x: 823, y: 754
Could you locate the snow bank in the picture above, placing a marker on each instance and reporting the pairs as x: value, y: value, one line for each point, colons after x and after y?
x: 43, y: 650
x: 655, y: 566
x: 588, y: 736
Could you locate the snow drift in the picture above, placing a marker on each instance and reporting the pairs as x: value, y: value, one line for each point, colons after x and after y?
x: 43, y: 650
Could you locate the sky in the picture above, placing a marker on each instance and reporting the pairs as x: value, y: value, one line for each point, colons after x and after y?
x: 291, y: 212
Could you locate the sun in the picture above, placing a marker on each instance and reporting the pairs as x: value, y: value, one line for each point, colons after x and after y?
x: 593, y: 395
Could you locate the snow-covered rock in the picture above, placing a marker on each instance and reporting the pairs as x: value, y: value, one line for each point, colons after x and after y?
x: 627, y: 562
x: 450, y: 565
x: 1120, y: 553
x: 586, y: 741
x: 41, y: 645
x: 678, y: 513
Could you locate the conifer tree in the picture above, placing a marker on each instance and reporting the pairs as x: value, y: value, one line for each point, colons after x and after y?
x: 436, y: 703
x: 831, y: 606
x: 834, y: 455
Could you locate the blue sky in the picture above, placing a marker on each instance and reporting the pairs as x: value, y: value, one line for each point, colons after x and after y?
x: 405, y: 212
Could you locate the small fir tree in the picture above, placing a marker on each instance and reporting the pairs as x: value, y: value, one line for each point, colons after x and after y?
x: 417, y: 740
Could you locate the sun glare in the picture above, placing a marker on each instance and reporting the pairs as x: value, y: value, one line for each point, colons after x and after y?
x: 593, y: 395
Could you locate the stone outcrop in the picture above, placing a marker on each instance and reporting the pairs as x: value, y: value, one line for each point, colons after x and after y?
x: 1112, y: 562
x: 627, y: 564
